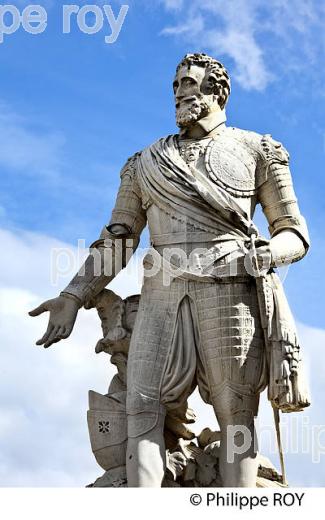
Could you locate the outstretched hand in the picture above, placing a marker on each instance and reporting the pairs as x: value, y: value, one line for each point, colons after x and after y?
x: 63, y: 312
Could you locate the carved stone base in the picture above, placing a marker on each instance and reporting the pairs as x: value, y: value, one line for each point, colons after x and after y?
x: 193, y: 464
x: 113, y: 478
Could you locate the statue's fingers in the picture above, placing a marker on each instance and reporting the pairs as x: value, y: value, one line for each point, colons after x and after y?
x: 46, y: 335
x: 262, y: 252
x: 263, y: 257
x: 66, y: 332
x: 55, y: 340
x: 39, y: 310
x: 59, y: 334
x: 52, y: 337
x: 264, y: 261
x: 61, y: 331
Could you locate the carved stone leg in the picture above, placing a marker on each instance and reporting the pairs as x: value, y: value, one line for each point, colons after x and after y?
x: 146, y: 455
x: 161, y: 368
x: 238, y: 452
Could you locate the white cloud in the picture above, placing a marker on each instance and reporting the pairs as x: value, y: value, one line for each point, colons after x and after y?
x: 25, y: 262
x: 43, y: 432
x: 173, y: 4
x: 192, y: 26
x: 239, y: 29
x: 44, y: 265
x: 25, y: 149
x: 43, y: 393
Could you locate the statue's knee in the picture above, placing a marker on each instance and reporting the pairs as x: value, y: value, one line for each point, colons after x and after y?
x: 235, y: 406
x: 143, y: 414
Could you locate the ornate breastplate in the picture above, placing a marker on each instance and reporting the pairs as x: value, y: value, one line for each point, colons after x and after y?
x: 231, y: 165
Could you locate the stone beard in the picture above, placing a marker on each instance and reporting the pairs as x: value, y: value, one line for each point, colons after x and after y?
x: 190, y: 111
x: 229, y: 333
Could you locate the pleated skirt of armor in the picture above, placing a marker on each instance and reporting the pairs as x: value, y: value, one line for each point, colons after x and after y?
x: 198, y: 333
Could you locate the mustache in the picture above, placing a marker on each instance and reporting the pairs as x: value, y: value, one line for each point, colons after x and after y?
x: 188, y: 100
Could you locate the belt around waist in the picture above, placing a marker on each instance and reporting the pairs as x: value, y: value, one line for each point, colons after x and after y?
x: 185, y: 237
x: 225, y: 265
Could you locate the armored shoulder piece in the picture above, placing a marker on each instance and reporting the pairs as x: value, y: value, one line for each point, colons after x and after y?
x: 273, y: 151
x: 276, y: 193
x: 130, y: 166
x: 128, y: 211
x: 248, y: 138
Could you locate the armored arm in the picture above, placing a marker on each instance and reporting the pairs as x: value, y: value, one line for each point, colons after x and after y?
x: 289, y: 234
x: 117, y: 242
x: 108, y: 255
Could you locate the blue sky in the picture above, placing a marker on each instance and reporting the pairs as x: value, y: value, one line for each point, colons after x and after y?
x: 73, y: 109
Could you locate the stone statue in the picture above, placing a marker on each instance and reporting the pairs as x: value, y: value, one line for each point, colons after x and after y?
x: 212, y: 311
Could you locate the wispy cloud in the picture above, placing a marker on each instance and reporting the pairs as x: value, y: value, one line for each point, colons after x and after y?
x: 173, y: 4
x: 258, y: 37
x: 27, y: 147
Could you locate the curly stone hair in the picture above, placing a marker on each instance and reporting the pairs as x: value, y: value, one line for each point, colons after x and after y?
x: 218, y: 74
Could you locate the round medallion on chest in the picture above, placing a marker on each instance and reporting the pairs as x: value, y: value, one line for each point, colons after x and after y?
x: 231, y: 166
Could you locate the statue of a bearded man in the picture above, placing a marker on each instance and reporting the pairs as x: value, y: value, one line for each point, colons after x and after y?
x: 212, y: 312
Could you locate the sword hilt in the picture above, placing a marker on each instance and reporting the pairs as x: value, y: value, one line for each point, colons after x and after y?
x: 253, y: 238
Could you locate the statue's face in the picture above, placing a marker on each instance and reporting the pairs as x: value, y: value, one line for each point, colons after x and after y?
x: 193, y: 98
